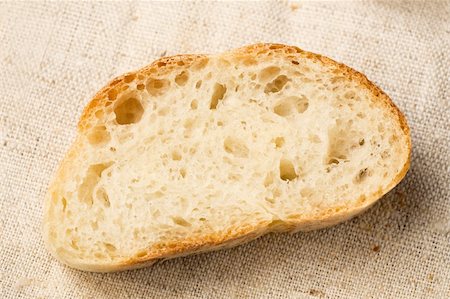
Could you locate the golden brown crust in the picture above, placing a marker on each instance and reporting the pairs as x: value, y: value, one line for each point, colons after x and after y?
x: 112, y: 89
x: 237, y: 236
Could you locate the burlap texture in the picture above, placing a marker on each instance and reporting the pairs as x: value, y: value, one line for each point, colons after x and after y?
x: 55, y: 56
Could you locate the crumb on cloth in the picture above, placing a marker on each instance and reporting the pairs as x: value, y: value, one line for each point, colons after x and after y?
x: 316, y: 293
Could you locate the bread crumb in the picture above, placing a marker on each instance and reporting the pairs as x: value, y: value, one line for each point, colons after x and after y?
x: 366, y: 226
x: 376, y: 248
x: 163, y: 53
x: 316, y: 293
x: 401, y: 198
x: 430, y: 277
x: 294, y: 6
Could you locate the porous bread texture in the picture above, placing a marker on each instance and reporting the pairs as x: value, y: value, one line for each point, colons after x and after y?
x: 195, y: 153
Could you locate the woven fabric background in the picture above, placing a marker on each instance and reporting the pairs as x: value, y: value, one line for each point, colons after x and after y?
x: 54, y: 56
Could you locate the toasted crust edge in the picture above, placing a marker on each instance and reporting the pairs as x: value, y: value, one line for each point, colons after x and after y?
x: 231, y: 238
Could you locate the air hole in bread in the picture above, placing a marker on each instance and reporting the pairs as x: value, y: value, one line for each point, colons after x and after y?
x: 361, y: 115
x: 128, y: 111
x: 125, y: 137
x: 274, y: 47
x: 129, y: 78
x: 235, y: 147
x: 333, y: 161
x: 287, y: 170
x: 74, y: 244
x: 342, y: 140
x: 218, y: 94
x: 248, y: 60
x: 64, y: 203
x: 362, y: 174
x: 112, y: 94
x: 270, y: 200
x: 290, y: 105
x: 222, y: 62
x: 276, y: 85
x: 180, y: 221
x: 110, y: 247
x: 183, y: 172
x: 194, y: 104
x: 198, y: 84
x: 385, y: 154
x: 393, y: 139
x: 306, y: 192
x: 262, y: 51
x: 91, y: 180
x: 136, y: 234
x: 103, y: 197
x: 234, y: 177
x: 279, y: 142
x: 157, y: 87
x: 189, y: 123
x: 164, y: 111
x: 295, y: 62
x: 94, y: 225
x: 99, y: 113
x: 140, y: 86
x: 182, y: 78
x: 349, y: 95
x: 200, y: 64
x: 314, y: 138
x: 99, y: 255
x: 176, y: 156
x: 98, y: 135
x: 269, y: 73
x: 276, y: 193
x: 337, y: 80
x: 268, y: 180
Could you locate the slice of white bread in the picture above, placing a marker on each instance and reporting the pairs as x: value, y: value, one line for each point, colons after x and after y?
x: 196, y: 153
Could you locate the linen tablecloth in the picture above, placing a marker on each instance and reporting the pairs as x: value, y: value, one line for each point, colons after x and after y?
x: 54, y: 56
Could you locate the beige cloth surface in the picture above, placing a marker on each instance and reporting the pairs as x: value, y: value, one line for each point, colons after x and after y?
x: 55, y: 56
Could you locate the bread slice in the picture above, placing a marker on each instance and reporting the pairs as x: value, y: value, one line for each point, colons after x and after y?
x: 196, y: 153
